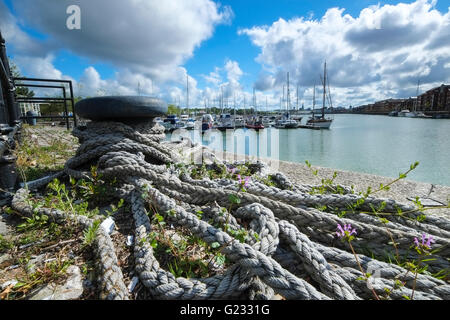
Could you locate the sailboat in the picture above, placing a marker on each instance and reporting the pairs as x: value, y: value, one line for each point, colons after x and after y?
x: 320, y: 121
x: 254, y: 122
x: 414, y: 114
x: 286, y: 122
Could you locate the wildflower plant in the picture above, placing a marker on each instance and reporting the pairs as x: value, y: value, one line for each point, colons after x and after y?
x: 424, y: 247
x: 346, y: 234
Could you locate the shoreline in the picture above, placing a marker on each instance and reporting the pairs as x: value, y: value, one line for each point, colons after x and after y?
x: 400, y: 191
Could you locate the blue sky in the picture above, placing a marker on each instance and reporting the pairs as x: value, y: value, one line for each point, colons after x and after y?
x: 375, y: 49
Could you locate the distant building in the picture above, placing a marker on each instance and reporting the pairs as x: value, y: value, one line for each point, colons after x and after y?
x: 436, y: 99
x: 433, y: 101
x: 30, y: 106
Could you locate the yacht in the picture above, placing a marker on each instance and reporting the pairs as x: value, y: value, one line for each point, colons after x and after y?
x: 254, y: 123
x: 171, y: 123
x: 224, y: 122
x: 239, y: 121
x: 320, y: 121
x: 420, y: 114
x: 268, y: 122
x: 411, y: 114
x: 393, y: 113
x: 286, y: 123
x: 403, y: 113
x: 207, y: 122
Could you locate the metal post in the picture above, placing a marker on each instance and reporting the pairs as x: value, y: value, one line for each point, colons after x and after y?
x: 65, y: 109
x: 73, y: 105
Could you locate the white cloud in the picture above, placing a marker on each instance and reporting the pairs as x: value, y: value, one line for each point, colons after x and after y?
x: 151, y: 37
x: 382, y: 52
x: 146, y: 41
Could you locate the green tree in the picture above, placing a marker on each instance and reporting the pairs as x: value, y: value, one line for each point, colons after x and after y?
x: 173, y: 109
x: 20, y: 91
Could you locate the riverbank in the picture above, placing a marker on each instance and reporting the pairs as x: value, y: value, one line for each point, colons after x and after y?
x: 401, y: 191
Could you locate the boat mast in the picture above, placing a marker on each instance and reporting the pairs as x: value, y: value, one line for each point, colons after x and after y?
x: 417, y: 95
x: 266, y: 107
x: 254, y: 100
x: 221, y: 100
x: 187, y: 94
x: 324, y: 88
x: 245, y: 120
x: 234, y: 107
x: 288, y: 100
x: 314, y: 99
x: 297, y: 97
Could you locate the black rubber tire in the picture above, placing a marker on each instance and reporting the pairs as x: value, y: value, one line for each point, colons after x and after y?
x: 120, y: 107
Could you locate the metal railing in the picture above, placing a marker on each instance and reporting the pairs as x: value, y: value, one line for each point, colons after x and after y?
x: 64, y: 100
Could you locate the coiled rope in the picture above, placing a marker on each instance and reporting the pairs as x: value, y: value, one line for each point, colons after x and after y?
x: 296, y: 253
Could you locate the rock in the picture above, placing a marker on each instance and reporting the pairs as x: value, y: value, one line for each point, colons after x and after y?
x: 133, y: 284
x: 35, y: 261
x: 8, y: 283
x: 108, y: 225
x: 5, y: 260
x: 4, y: 228
x: 130, y: 241
x: 72, y: 289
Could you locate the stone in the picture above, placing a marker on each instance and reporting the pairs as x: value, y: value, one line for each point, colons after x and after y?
x: 4, y: 228
x: 108, y: 225
x: 5, y: 260
x: 34, y: 262
x: 133, y: 284
x: 130, y: 240
x: 120, y: 108
x: 70, y: 290
x: 8, y: 283
x: 427, y: 202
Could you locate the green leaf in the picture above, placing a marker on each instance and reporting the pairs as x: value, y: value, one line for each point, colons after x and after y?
x: 384, y: 220
x: 215, y: 245
x: 220, y: 259
x: 234, y: 199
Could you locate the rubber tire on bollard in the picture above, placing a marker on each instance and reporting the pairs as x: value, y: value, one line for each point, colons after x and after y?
x: 120, y: 108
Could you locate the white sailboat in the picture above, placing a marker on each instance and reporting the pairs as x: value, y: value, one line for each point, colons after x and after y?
x: 320, y: 121
x: 286, y: 122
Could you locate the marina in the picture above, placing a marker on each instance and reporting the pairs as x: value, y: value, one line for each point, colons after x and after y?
x: 372, y: 144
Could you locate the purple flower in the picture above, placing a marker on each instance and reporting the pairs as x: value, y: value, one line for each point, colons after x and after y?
x: 247, y: 180
x: 346, y: 231
x: 426, y: 241
x: 244, y: 182
x: 232, y: 171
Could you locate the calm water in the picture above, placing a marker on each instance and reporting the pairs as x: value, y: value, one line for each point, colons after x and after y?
x: 378, y: 145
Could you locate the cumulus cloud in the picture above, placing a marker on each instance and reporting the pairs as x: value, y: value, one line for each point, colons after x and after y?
x: 146, y: 41
x: 385, y: 48
x: 146, y: 36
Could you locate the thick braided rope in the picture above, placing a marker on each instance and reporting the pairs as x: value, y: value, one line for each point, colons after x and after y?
x: 127, y: 166
x: 111, y: 278
x: 245, y: 256
x: 290, y: 230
